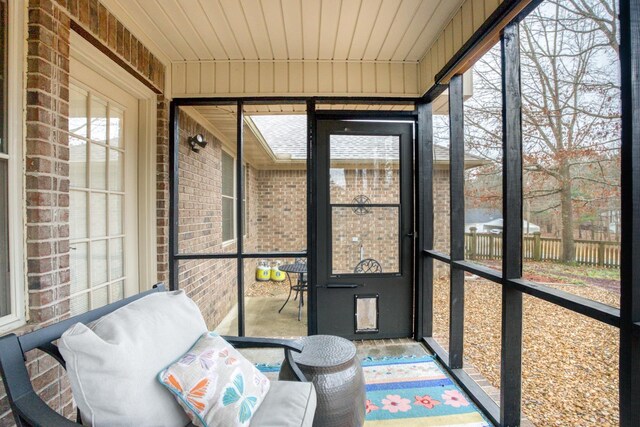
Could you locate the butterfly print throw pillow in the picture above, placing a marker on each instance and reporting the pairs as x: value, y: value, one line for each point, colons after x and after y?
x: 215, y: 384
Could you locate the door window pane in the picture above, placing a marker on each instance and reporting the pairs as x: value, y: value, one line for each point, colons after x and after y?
x: 99, y: 274
x: 116, y: 170
x: 98, y: 119
x: 116, y: 127
x: 79, y: 267
x: 365, y: 241
x: 364, y: 169
x: 117, y: 258
x: 78, y: 112
x: 98, y: 167
x: 98, y: 215
x: 115, y: 215
x: 77, y: 162
x: 78, y: 214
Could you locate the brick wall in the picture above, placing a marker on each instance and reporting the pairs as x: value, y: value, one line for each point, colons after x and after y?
x: 47, y: 164
x: 441, y: 217
x: 211, y: 283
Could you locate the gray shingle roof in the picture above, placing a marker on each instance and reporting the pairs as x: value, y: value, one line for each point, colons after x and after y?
x: 286, y: 136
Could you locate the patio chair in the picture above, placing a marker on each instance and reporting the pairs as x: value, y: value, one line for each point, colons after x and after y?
x: 368, y: 266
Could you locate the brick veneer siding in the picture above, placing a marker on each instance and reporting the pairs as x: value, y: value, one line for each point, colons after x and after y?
x: 441, y: 217
x: 47, y: 165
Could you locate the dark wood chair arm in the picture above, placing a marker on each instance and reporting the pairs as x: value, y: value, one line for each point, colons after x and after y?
x: 287, y: 345
x: 34, y: 412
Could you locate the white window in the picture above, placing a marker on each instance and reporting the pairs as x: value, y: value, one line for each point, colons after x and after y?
x: 228, y: 198
x: 12, y: 307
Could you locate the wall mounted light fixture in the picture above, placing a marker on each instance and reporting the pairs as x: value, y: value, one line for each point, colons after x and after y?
x: 197, y: 142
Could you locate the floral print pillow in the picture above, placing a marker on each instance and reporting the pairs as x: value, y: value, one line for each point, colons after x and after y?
x: 215, y: 384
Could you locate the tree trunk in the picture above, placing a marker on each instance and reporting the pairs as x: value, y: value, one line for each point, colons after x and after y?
x: 566, y: 209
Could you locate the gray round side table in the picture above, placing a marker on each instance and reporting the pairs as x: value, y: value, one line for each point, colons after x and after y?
x: 330, y: 362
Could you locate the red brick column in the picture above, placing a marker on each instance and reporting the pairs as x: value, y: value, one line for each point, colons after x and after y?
x: 47, y: 162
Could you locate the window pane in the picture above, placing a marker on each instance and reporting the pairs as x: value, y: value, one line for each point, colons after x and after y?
x: 116, y: 246
x: 78, y: 214
x: 98, y: 215
x: 117, y: 291
x: 100, y: 297
x: 364, y: 169
x: 213, y: 285
x: 227, y: 219
x: 276, y: 184
x: 571, y: 141
x: 5, y: 290
x: 79, y: 304
x: 441, y: 187
x: 116, y: 170
x: 99, y: 263
x: 116, y: 127
x: 115, y: 215
x: 78, y: 258
x: 227, y: 175
x: 78, y: 111
x: 98, y: 167
x: 483, y: 160
x: 441, y: 299
x: 77, y: 162
x: 365, y: 242
x: 200, y: 196
x: 98, y: 119
x: 569, y: 367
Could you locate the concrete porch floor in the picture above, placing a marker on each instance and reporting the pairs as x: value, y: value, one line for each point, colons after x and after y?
x: 263, y: 320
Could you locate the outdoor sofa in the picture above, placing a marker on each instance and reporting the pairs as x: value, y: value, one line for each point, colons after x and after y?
x: 285, y: 404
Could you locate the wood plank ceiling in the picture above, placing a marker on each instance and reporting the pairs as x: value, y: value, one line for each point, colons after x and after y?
x: 246, y: 30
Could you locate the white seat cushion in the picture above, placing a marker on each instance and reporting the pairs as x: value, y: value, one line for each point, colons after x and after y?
x: 113, y: 362
x: 288, y: 404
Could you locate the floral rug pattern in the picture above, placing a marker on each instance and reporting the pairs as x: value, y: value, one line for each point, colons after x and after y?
x: 415, y: 392
x: 410, y: 392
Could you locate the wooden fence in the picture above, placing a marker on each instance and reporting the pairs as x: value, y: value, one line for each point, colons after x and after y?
x: 590, y: 252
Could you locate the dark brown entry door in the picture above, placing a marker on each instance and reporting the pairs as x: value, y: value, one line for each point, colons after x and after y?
x: 365, y: 229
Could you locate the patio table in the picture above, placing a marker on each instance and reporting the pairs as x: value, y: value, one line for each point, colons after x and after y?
x: 300, y: 287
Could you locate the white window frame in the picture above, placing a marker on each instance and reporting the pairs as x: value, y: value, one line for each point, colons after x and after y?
x: 234, y: 198
x: 16, y: 90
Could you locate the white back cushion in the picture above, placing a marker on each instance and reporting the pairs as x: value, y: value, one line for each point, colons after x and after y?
x: 113, y: 363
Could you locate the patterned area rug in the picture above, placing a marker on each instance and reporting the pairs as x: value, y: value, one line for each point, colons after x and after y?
x: 411, y: 392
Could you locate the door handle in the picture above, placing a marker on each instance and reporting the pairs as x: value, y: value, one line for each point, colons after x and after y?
x: 343, y: 285
x: 408, y: 235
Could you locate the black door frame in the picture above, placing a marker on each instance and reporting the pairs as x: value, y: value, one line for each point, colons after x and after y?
x: 405, y: 130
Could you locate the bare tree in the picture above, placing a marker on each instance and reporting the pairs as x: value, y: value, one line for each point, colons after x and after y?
x: 571, y: 109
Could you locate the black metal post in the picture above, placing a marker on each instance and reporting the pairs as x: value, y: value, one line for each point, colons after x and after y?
x: 312, y: 321
x: 511, y: 353
x: 240, y: 214
x: 424, y: 220
x: 630, y: 241
x: 456, y: 240
x: 174, y: 140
